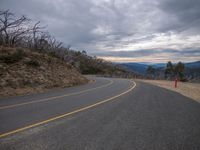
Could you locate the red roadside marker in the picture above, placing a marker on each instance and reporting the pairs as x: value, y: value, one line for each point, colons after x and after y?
x: 175, y: 83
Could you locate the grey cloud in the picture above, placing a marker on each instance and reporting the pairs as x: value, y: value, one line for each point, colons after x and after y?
x: 100, y: 25
x: 186, y: 10
x: 186, y: 13
x: 150, y: 52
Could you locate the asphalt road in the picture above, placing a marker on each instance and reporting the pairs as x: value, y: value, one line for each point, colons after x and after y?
x: 107, y: 114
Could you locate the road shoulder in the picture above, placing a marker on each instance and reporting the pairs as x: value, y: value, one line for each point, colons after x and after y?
x: 191, y: 90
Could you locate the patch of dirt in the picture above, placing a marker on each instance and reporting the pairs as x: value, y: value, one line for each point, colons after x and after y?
x: 191, y: 90
x: 23, y: 71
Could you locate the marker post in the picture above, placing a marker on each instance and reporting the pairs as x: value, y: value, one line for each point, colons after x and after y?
x: 176, y: 82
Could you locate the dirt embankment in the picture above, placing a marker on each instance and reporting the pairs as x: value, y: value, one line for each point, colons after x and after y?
x: 191, y: 90
x: 23, y: 71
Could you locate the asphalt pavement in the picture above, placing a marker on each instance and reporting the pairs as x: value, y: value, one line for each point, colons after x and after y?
x: 110, y: 114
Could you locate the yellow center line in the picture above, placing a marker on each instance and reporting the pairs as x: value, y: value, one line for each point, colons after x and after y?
x: 55, y: 97
x: 68, y: 114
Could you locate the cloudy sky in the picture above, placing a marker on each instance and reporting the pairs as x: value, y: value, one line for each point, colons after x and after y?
x: 120, y: 30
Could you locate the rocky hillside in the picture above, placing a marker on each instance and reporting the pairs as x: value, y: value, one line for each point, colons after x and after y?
x: 24, y: 71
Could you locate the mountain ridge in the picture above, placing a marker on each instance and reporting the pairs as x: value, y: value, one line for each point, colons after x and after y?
x: 141, y: 67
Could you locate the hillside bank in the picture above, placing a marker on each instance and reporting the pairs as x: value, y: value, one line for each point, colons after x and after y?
x: 23, y: 71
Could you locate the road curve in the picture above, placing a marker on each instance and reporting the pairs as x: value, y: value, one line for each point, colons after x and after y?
x: 106, y: 114
x: 29, y: 111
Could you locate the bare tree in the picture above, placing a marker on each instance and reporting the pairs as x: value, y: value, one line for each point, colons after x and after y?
x: 22, y: 32
x: 11, y: 27
x: 38, y: 34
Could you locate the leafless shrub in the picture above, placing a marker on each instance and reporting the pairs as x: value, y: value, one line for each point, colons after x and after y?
x: 20, y: 31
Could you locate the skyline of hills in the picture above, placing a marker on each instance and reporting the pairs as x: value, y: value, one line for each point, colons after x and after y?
x: 142, y: 67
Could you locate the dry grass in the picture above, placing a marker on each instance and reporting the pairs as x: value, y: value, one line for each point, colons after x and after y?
x: 191, y: 90
x: 23, y: 71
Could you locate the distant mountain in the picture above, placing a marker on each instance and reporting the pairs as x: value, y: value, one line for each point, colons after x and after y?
x: 192, y: 71
x: 135, y: 67
x: 195, y: 64
x: 158, y: 65
x: 142, y: 67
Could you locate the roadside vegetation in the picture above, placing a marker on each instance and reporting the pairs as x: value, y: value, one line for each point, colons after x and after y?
x: 21, y: 32
x: 23, y: 71
x: 31, y: 59
x: 170, y: 72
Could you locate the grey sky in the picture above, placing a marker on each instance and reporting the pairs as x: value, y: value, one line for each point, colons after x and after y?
x: 120, y: 30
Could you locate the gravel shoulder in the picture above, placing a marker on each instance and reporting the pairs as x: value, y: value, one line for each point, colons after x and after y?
x: 191, y: 90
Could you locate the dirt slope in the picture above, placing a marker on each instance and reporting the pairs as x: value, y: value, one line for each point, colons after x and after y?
x: 23, y: 71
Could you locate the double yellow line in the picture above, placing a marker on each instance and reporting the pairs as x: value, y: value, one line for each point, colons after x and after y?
x: 55, y: 97
x: 69, y: 113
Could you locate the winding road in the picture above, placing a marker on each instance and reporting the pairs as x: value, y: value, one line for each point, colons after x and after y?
x: 108, y: 113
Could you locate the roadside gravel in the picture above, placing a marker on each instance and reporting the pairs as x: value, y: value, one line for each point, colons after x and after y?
x: 191, y: 90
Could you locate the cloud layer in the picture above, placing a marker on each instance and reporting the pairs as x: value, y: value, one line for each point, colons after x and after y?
x: 135, y: 30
